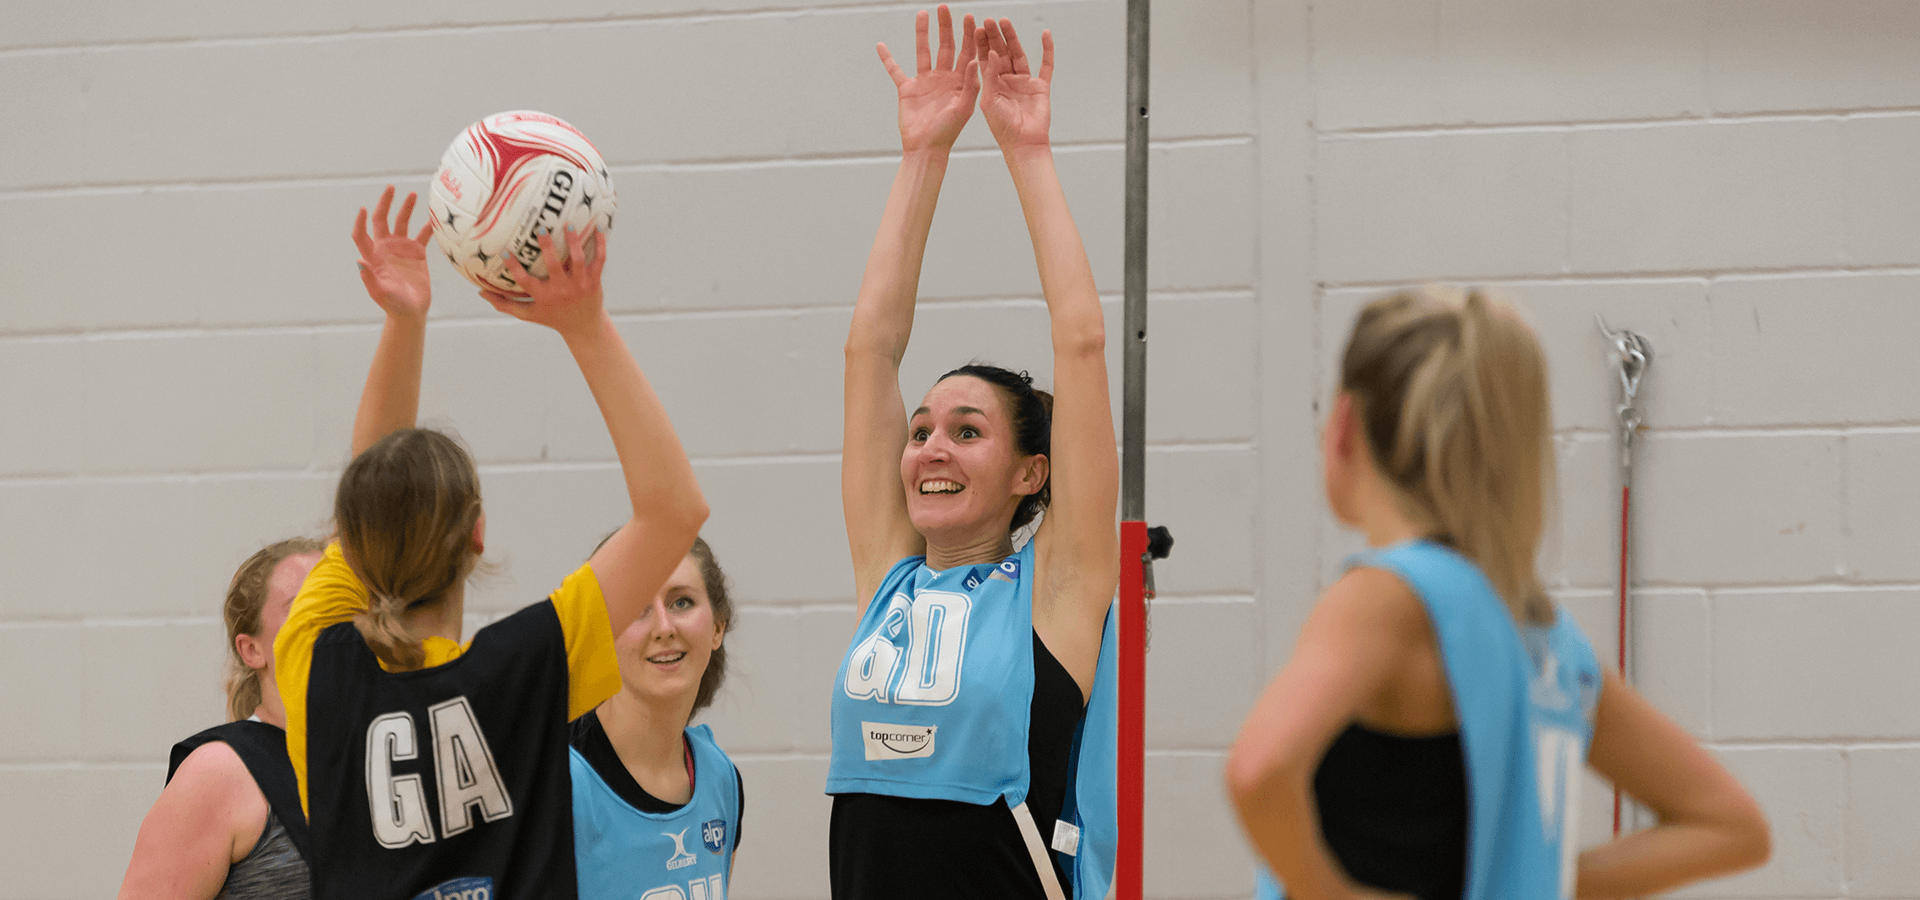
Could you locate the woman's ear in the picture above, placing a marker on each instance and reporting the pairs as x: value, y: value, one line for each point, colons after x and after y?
x: 1033, y: 474
x: 251, y: 652
x: 480, y: 535
x: 1343, y: 428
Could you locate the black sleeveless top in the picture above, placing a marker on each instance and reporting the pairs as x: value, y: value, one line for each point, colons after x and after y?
x: 882, y: 847
x: 1393, y: 810
x: 479, y: 743
x: 276, y: 867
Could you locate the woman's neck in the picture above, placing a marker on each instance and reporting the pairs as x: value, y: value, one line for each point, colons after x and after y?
x: 649, y: 738
x: 270, y: 710
x: 1382, y: 516
x: 990, y: 547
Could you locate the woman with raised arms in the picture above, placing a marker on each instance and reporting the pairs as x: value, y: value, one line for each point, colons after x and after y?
x: 955, y: 711
x: 431, y: 767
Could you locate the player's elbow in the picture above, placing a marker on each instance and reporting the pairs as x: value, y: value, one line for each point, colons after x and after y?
x: 693, y: 512
x: 1749, y: 837
x: 1254, y: 773
x: 1080, y: 339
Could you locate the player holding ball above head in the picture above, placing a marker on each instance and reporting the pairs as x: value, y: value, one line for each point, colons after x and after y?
x: 1426, y: 738
x: 647, y: 787
x: 954, y: 713
x: 429, y: 767
x: 229, y: 823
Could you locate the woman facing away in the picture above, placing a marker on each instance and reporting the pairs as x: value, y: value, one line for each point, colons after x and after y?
x: 1426, y: 737
x: 229, y: 824
x: 427, y: 765
x: 955, y: 710
x: 647, y: 787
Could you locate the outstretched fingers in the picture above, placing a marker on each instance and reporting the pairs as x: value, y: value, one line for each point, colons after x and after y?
x: 598, y: 245
x: 966, y: 39
x: 515, y: 308
x: 945, y: 60
x: 1015, y: 53
x: 922, y: 57
x: 426, y: 231
x: 400, y: 222
x: 1046, y: 56
x: 380, y: 211
x: 521, y: 277
x: 361, y: 240
x: 893, y: 68
x: 576, y: 264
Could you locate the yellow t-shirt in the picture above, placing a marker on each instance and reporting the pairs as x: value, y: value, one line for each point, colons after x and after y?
x: 332, y: 594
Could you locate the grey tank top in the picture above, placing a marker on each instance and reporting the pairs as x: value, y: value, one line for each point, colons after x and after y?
x: 273, y: 871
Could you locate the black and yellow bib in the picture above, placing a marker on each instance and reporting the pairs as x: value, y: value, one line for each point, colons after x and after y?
x: 444, y: 782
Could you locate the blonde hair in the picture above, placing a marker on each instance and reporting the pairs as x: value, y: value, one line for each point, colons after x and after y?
x: 406, y: 510
x: 246, y: 598
x: 1451, y: 389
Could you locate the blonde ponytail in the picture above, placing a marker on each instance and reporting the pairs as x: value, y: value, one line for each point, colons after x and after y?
x: 406, y: 511
x: 1452, y: 393
x: 386, y: 635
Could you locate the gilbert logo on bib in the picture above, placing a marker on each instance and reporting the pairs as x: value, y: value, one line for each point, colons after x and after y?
x: 886, y: 741
x: 680, y: 858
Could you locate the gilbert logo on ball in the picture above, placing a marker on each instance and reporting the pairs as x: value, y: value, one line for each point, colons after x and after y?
x: 508, y: 179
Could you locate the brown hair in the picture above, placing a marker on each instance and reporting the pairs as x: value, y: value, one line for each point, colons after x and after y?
x: 246, y: 598
x: 1451, y: 390
x: 715, y: 582
x: 406, y: 511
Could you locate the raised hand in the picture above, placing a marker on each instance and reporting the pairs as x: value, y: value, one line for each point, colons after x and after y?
x: 392, y: 265
x: 569, y: 298
x: 1013, y: 98
x: 937, y: 101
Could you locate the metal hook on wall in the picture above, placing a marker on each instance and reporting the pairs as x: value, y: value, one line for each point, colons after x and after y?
x: 1634, y: 353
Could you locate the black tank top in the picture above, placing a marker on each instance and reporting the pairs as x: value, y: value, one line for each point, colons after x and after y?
x: 1393, y: 810
x: 276, y: 868
x: 469, y: 759
x: 882, y: 847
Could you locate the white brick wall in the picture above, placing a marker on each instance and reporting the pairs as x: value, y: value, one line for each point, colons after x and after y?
x: 183, y: 341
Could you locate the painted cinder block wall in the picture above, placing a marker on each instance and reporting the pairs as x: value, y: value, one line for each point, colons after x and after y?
x: 182, y: 341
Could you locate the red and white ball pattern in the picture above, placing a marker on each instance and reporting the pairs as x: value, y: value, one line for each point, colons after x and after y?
x: 508, y: 179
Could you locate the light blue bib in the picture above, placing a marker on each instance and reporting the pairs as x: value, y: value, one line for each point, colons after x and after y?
x: 935, y: 695
x: 1525, y: 698
x: 622, y: 853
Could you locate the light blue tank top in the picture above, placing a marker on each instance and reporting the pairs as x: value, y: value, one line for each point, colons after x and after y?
x: 622, y: 853
x: 934, y: 697
x: 1525, y: 697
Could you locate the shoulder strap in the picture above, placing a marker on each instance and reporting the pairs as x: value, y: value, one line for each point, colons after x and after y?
x: 263, y: 748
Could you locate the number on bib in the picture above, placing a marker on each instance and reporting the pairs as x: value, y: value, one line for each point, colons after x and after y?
x: 1558, y: 755
x: 928, y: 672
x: 712, y: 887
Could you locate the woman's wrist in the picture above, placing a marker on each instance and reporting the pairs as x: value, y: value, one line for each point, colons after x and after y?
x: 926, y: 153
x: 1024, y: 160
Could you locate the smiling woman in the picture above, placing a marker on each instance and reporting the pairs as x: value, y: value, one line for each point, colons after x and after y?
x: 956, y: 709
x: 642, y: 778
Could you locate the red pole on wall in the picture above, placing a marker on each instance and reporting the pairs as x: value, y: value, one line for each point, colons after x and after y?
x: 1130, y: 792
x: 1132, y: 771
